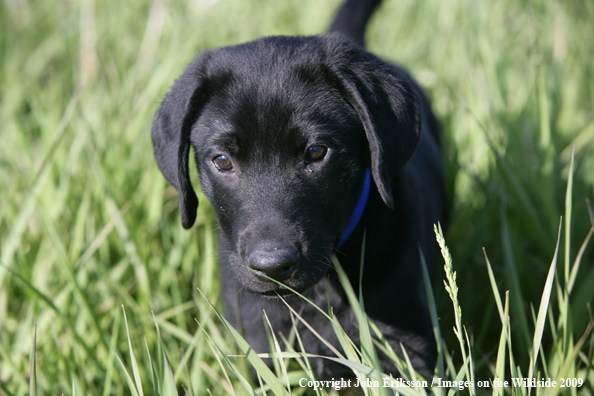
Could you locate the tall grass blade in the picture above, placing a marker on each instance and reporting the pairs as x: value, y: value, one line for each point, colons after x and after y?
x: 452, y: 289
x: 542, y: 311
x: 382, y: 344
x: 127, y: 377
x: 413, y: 375
x: 169, y: 388
x: 568, y: 208
x: 500, y: 362
x: 277, y: 352
x: 578, y: 259
x: 188, y: 379
x: 350, y: 349
x: 303, y: 361
x: 502, y: 313
x: 563, y: 291
x: 470, y: 363
x: 167, y: 378
x: 314, y: 332
x: 262, y: 369
x: 369, y: 355
x: 153, y: 370
x: 135, y: 370
x: 215, y: 348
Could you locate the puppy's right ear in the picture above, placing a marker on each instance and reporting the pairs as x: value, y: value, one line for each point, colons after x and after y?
x: 171, y: 131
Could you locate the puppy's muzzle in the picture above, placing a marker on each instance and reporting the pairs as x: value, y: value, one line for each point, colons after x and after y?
x: 276, y: 261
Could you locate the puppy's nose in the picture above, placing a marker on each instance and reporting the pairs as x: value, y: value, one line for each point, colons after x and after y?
x: 274, y: 260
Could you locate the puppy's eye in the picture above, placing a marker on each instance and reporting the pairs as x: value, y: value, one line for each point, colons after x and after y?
x: 222, y: 163
x: 315, y: 153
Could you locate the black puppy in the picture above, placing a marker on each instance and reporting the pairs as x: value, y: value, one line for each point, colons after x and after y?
x: 302, y: 144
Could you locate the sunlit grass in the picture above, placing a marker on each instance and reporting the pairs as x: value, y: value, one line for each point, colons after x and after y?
x: 88, y: 223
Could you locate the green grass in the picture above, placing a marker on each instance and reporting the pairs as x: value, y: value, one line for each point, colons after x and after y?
x: 88, y: 224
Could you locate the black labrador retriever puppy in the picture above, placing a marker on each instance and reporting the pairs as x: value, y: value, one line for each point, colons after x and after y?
x: 303, y: 145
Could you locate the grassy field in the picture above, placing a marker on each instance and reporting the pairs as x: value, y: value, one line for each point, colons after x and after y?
x: 88, y: 224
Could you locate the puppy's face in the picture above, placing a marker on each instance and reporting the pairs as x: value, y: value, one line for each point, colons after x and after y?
x: 284, y: 130
x: 281, y: 157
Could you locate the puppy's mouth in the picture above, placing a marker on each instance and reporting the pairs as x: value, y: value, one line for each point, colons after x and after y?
x: 301, y: 278
x: 271, y: 287
x: 277, y: 269
x: 280, y: 292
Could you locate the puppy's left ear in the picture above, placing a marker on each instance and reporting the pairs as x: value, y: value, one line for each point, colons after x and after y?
x: 171, y: 131
x: 388, y: 105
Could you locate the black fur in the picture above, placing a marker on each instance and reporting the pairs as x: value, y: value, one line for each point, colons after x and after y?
x: 262, y: 105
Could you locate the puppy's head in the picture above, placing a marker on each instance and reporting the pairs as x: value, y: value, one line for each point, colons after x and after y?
x: 284, y: 129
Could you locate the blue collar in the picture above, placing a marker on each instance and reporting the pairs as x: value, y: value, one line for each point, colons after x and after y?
x: 359, y: 209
